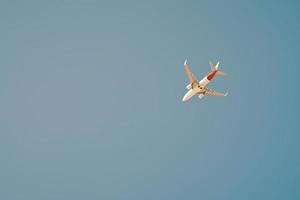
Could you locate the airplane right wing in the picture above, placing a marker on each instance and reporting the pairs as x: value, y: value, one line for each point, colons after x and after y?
x: 211, y: 92
x: 189, y: 73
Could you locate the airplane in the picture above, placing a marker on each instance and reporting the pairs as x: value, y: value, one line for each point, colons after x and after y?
x: 195, y: 87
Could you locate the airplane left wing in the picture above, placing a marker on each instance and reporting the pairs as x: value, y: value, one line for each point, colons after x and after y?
x: 189, y: 73
x: 211, y: 92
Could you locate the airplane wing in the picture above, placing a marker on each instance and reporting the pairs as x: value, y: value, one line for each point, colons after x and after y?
x: 211, y: 92
x: 189, y: 73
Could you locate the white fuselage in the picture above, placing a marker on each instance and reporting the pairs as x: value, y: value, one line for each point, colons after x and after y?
x: 196, y: 89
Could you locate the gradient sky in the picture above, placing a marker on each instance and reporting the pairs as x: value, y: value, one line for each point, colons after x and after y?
x: 91, y: 107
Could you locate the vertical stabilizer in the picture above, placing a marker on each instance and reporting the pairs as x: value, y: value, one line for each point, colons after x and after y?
x: 185, y: 62
x: 215, y: 67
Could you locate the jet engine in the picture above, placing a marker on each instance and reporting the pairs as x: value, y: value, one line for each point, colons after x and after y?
x: 189, y: 86
x: 201, y: 96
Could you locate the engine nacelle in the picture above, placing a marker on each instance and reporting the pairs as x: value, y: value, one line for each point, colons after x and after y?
x: 189, y: 86
x: 201, y: 96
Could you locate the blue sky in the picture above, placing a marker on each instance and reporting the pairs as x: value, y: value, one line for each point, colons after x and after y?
x: 91, y: 100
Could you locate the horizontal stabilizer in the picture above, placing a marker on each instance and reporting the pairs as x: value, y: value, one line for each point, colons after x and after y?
x: 221, y: 73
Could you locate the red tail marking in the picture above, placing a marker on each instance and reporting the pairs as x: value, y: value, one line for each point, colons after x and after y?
x: 211, y: 75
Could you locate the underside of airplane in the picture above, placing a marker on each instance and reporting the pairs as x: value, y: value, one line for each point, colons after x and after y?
x: 199, y: 87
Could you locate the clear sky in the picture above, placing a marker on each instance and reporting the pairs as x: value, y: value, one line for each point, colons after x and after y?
x: 90, y: 100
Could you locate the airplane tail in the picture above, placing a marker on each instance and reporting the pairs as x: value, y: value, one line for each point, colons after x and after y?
x: 214, y: 67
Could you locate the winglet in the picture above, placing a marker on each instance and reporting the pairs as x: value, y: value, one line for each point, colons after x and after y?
x: 185, y: 62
